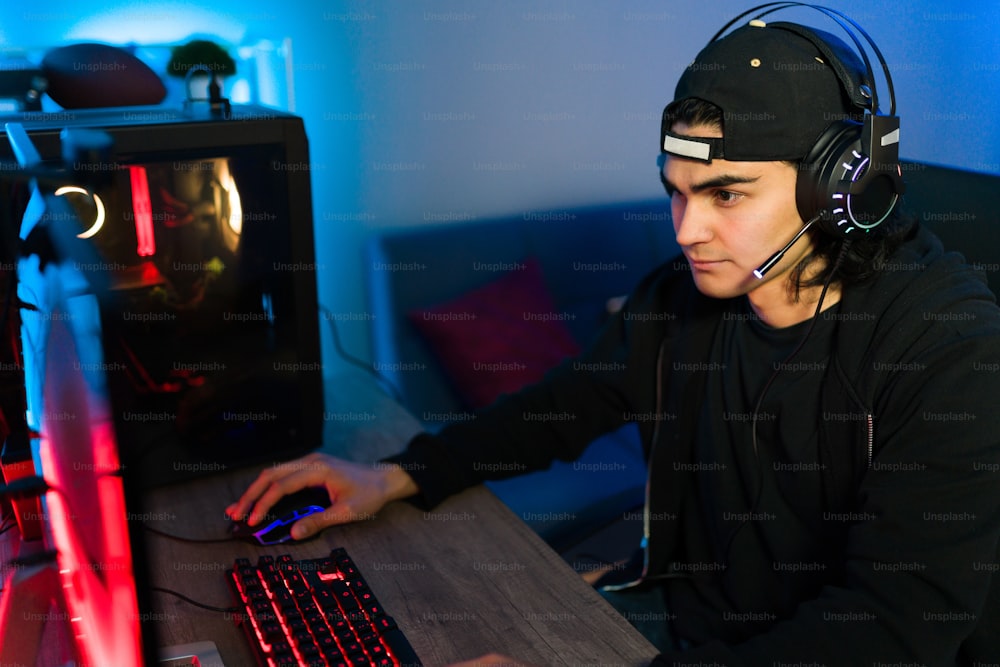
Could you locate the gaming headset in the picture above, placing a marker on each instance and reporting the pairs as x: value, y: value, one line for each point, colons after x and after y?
x: 850, y: 180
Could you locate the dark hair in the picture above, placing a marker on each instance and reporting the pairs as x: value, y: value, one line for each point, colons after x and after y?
x: 863, y: 258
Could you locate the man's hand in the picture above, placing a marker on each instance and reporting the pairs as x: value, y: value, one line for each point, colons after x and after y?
x: 356, y: 491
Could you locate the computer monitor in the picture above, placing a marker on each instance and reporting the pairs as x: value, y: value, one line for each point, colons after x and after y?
x: 202, y: 230
x: 169, y: 329
x: 88, y: 513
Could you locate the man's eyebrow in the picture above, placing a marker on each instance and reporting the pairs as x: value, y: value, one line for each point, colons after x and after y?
x: 720, y: 181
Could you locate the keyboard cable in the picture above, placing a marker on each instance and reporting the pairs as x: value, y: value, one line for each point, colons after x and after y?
x: 228, y: 610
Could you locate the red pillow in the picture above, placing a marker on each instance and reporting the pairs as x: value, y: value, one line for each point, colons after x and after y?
x: 498, y: 338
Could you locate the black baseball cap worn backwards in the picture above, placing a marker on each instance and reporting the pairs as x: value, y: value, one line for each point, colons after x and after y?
x: 779, y: 86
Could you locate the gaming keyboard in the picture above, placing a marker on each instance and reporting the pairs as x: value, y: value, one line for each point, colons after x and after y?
x: 315, y: 612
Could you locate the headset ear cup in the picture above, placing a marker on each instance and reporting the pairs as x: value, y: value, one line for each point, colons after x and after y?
x: 835, y: 162
x: 818, y: 173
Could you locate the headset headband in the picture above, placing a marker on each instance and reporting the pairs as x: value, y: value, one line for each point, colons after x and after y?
x: 839, y: 18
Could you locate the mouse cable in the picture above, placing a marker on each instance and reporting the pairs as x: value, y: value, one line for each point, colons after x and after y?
x: 351, y: 359
x: 35, y: 486
x: 182, y: 538
x: 228, y: 610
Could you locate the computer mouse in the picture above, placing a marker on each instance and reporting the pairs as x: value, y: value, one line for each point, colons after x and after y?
x: 277, y: 524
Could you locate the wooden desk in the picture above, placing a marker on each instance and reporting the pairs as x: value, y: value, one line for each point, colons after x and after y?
x: 466, y: 579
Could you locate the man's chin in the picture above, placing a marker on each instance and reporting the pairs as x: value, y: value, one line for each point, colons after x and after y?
x: 722, y: 286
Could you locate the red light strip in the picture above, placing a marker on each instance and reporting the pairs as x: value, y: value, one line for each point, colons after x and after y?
x: 142, y: 210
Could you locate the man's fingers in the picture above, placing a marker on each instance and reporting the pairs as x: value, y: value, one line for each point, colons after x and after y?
x: 336, y: 514
x: 273, y: 483
x: 313, y: 523
x: 265, y: 479
x: 275, y: 492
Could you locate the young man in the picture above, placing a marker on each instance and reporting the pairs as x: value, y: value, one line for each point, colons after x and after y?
x: 820, y: 442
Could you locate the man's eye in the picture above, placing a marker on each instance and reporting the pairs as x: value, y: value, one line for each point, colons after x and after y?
x: 727, y: 197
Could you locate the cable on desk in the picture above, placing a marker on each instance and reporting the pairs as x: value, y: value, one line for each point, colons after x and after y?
x: 351, y: 359
x: 182, y: 538
x: 3, y: 528
x: 230, y: 610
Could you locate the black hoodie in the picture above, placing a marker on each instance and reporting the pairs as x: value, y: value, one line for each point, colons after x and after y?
x: 911, y: 465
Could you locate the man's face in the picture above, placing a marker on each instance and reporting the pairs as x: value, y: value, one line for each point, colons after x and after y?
x: 730, y: 217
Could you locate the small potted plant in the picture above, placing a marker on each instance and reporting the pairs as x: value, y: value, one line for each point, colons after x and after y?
x: 202, y: 57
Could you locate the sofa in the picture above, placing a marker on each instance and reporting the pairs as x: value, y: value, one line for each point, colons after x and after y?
x: 587, y: 256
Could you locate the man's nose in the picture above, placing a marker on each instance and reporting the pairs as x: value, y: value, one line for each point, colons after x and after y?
x: 690, y: 222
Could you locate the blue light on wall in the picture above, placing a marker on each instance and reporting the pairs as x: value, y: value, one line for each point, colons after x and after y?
x: 426, y: 111
x: 157, y: 23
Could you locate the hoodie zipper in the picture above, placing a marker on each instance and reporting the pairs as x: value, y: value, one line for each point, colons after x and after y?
x: 871, y: 437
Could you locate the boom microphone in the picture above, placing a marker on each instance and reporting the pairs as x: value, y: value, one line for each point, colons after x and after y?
x: 776, y: 257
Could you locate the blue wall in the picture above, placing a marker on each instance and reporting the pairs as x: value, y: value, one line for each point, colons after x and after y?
x: 425, y: 111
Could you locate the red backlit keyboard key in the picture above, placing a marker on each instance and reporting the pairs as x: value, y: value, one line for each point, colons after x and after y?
x: 315, y: 612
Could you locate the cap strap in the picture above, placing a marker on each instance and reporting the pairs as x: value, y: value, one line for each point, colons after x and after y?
x: 696, y: 148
